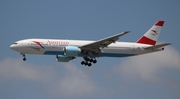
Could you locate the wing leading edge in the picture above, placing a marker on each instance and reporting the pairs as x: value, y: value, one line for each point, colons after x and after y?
x: 103, y: 42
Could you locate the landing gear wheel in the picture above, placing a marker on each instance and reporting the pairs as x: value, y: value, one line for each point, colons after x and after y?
x: 91, y: 60
x: 82, y: 63
x: 86, y: 63
x: 24, y: 59
x: 94, y: 61
x: 89, y: 64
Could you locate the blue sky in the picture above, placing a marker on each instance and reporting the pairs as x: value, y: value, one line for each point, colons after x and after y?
x: 147, y: 76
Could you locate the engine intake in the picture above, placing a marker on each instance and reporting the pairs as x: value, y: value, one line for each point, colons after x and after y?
x: 72, y: 51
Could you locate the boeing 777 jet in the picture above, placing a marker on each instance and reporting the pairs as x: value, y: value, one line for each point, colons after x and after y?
x: 66, y: 50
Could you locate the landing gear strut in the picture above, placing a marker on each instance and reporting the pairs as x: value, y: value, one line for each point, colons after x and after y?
x: 24, y: 56
x: 88, y: 61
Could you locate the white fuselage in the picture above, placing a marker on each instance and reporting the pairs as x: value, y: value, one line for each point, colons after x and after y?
x: 56, y: 47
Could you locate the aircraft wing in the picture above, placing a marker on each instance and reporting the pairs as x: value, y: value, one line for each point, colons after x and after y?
x: 102, y: 42
x: 157, y: 46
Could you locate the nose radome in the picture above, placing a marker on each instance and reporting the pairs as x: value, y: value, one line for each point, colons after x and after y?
x: 12, y: 47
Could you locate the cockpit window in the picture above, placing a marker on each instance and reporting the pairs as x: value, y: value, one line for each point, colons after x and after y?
x: 14, y: 43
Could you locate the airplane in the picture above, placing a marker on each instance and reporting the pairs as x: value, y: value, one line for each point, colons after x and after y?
x: 66, y: 50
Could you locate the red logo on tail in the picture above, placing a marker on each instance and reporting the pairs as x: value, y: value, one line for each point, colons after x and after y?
x: 155, y: 32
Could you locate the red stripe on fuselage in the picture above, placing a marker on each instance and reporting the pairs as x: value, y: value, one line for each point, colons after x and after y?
x: 145, y: 40
x: 38, y: 43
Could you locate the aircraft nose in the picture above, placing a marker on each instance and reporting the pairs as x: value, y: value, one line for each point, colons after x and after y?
x: 12, y: 47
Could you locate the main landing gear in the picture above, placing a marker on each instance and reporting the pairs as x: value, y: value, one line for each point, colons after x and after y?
x: 88, y: 61
x: 24, y: 56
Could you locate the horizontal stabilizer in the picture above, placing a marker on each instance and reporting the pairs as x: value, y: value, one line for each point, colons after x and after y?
x: 157, y: 46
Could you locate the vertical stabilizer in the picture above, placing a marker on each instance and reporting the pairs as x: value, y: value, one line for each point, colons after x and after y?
x: 151, y: 36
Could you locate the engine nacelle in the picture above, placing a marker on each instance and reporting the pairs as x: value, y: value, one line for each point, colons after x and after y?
x: 62, y: 58
x: 72, y: 51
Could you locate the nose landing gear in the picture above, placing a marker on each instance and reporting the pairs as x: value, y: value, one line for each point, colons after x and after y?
x: 88, y: 61
x: 24, y: 56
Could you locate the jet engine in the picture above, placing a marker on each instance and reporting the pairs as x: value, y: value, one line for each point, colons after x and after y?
x: 62, y: 58
x: 72, y: 51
